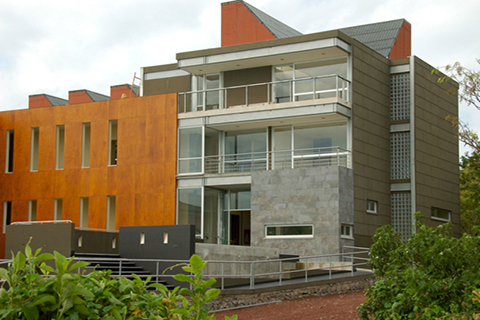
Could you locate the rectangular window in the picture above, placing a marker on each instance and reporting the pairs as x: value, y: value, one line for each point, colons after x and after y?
x: 346, y: 231
x: 60, y: 150
x: 7, y: 214
x: 190, y: 150
x: 111, y: 212
x: 289, y: 231
x: 372, y: 206
x: 34, y: 149
x: 9, y: 152
x: 86, y: 145
x: 441, y: 214
x: 32, y: 210
x: 58, y: 209
x: 189, y: 208
x: 112, y: 143
x: 83, y: 212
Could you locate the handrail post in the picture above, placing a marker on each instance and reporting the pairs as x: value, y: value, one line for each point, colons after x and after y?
x: 252, y: 275
x: 223, y: 275
x: 281, y: 273
x: 246, y: 95
x: 120, y: 268
x: 330, y: 267
x: 225, y: 102
x: 336, y: 86
x: 353, y: 263
x: 157, y: 275
x: 306, y: 270
x: 268, y: 93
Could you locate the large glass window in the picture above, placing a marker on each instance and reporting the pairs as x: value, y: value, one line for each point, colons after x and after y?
x: 310, y: 80
x: 190, y: 150
x: 308, y: 145
x: 245, y: 150
x: 189, y: 208
x: 289, y: 231
x: 210, y: 96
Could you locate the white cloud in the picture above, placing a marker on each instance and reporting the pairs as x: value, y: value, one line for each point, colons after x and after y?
x: 55, y: 46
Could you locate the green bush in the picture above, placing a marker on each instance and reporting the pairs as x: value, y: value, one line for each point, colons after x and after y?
x: 433, y: 275
x: 38, y: 291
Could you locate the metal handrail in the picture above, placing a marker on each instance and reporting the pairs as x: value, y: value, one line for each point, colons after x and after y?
x: 271, y: 160
x: 341, y: 88
x: 252, y: 274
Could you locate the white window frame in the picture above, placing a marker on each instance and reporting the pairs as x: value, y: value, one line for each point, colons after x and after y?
x: 58, y: 209
x: 34, y: 148
x: 344, y: 235
x: 60, y: 147
x: 438, y: 218
x: 202, y: 169
x: 202, y: 199
x: 375, y: 206
x: 303, y: 236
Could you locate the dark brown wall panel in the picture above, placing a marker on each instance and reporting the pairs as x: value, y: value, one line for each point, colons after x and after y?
x: 371, y: 141
x: 436, y: 146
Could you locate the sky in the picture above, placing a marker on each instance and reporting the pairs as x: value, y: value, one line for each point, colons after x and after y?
x: 55, y: 46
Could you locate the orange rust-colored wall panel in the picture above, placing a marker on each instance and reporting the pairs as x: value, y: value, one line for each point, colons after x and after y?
x: 402, y: 47
x: 240, y: 26
x: 143, y: 180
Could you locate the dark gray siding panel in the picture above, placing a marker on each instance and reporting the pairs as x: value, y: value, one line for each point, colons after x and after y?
x: 371, y: 140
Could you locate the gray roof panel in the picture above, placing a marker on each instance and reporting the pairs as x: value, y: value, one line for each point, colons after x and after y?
x: 378, y: 36
x: 277, y: 28
x: 56, y: 101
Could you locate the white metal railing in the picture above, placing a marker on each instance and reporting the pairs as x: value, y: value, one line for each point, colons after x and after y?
x: 253, y: 273
x: 320, y: 87
x: 274, y: 160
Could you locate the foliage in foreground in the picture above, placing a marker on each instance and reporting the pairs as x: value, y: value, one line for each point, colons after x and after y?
x: 433, y: 275
x: 37, y: 291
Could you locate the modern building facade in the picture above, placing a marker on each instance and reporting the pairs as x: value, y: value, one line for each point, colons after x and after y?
x: 302, y: 143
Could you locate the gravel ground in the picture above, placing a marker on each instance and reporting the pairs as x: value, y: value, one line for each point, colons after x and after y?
x: 332, y: 307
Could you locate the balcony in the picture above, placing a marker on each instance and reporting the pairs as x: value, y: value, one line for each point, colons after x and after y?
x: 328, y: 86
x: 275, y: 160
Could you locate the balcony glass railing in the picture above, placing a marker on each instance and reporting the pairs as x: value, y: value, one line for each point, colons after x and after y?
x: 275, y: 160
x: 269, y: 92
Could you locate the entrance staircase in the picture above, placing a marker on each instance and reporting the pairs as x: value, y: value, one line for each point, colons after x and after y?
x: 118, y: 266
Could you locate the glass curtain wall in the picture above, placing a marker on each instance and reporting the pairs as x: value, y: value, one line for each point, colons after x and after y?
x: 246, y: 150
x: 189, y: 208
x: 190, y: 150
x: 307, y: 145
x: 308, y: 80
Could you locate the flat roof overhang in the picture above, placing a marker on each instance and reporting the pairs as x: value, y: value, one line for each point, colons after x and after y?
x: 266, y: 53
x: 264, y: 116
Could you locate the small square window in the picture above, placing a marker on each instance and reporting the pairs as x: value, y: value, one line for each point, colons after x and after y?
x: 441, y: 214
x: 372, y: 206
x: 346, y: 231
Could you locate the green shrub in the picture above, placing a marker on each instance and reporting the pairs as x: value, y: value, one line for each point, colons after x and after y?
x: 38, y: 291
x: 431, y: 276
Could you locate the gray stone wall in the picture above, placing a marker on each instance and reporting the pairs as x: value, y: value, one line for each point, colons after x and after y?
x: 322, y: 196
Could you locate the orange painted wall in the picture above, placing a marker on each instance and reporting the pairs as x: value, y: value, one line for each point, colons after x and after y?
x: 143, y: 180
x: 117, y: 92
x: 403, y: 44
x: 239, y: 26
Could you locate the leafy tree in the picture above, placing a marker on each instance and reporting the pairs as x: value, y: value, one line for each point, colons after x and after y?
x: 431, y: 276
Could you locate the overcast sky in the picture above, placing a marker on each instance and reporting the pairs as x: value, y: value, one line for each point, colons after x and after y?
x: 57, y: 46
